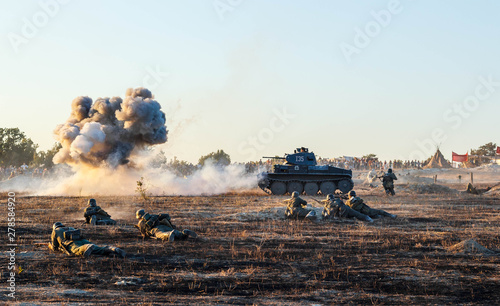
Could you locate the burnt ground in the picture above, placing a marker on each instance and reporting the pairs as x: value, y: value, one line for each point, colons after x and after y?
x: 248, y: 253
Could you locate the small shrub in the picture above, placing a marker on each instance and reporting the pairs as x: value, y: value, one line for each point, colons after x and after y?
x: 142, y: 189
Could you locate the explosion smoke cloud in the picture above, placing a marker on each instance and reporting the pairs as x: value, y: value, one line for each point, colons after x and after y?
x: 100, y: 138
x: 108, y: 131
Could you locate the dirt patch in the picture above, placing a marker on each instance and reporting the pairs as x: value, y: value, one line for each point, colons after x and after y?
x: 489, y: 167
x: 424, y: 220
x: 470, y: 247
x: 494, y: 191
x: 274, y: 213
x: 248, y: 253
x: 428, y: 189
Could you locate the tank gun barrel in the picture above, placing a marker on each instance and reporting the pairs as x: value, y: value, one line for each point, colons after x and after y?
x: 275, y: 157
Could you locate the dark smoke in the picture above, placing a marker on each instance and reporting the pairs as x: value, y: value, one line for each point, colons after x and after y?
x: 106, y: 132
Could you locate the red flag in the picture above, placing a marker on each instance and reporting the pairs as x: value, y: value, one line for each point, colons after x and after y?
x: 498, y: 150
x: 459, y: 158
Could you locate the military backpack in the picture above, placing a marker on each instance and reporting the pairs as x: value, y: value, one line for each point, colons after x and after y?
x: 150, y: 220
x: 72, y: 234
x: 387, y: 181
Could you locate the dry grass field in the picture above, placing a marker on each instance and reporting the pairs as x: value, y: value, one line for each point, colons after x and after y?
x: 247, y: 253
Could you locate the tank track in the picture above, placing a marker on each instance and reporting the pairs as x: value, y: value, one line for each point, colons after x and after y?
x: 263, y: 184
x: 266, y: 187
x: 266, y: 190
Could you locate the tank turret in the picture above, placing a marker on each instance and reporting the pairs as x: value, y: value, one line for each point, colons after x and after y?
x: 301, y: 173
x: 301, y: 156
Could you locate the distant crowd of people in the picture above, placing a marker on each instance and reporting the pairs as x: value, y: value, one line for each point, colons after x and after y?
x: 350, y: 163
x: 250, y: 167
x: 370, y: 164
x: 7, y: 173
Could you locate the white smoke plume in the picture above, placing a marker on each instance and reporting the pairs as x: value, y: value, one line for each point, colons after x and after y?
x: 122, y: 180
x: 105, y: 145
x: 106, y: 133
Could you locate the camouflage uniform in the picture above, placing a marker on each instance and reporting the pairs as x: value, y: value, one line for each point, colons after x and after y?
x: 388, y: 182
x: 295, y: 208
x: 336, y: 208
x: 357, y: 204
x: 78, y: 245
x: 160, y: 227
x: 95, y: 215
x: 473, y: 190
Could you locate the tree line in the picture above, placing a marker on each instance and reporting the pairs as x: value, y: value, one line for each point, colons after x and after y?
x: 183, y: 168
x: 17, y: 149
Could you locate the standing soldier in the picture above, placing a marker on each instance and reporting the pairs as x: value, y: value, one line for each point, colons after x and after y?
x: 95, y: 215
x: 357, y: 204
x: 296, y: 208
x: 335, y: 207
x: 388, y: 182
x: 160, y: 227
x: 70, y: 241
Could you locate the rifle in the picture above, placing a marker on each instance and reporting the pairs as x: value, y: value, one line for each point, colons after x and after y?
x: 341, y: 196
x: 315, y: 200
x: 60, y: 248
x: 338, y: 196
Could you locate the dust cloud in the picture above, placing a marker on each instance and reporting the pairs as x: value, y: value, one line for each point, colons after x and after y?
x: 105, y: 147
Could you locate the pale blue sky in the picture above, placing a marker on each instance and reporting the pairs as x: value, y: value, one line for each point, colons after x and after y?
x: 227, y: 77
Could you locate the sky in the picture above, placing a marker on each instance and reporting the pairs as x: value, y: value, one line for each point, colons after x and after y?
x: 259, y: 78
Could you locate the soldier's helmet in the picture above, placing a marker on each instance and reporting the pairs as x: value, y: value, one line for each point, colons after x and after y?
x: 140, y: 213
x: 57, y: 224
x: 330, y: 197
x: 295, y: 194
x: 92, y: 202
x: 390, y: 170
x: 352, y: 193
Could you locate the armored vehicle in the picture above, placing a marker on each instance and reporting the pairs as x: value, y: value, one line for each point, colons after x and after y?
x: 301, y: 173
